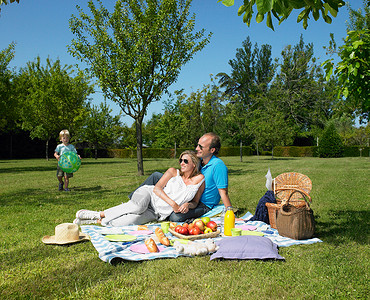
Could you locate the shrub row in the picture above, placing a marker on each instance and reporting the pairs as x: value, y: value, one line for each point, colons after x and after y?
x: 312, y: 151
x: 170, y: 153
x: 287, y: 151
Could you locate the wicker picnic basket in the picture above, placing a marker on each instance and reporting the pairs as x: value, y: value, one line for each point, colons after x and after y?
x: 296, y: 222
x: 293, y: 187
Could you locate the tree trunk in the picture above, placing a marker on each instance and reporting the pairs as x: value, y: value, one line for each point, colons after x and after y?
x: 11, y: 146
x: 272, y: 152
x: 139, y: 146
x: 47, y: 149
x: 241, y: 150
x: 175, y: 150
x: 96, y: 151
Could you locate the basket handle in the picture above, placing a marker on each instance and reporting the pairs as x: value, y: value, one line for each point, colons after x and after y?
x: 295, y: 190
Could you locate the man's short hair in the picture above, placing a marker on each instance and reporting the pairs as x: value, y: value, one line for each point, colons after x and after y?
x: 215, y: 142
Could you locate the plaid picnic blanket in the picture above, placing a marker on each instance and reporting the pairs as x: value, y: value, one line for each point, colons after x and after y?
x: 115, y: 251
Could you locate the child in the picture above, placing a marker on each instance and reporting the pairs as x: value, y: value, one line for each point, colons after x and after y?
x: 59, y: 150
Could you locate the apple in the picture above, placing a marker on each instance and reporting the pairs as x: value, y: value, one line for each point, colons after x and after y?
x: 199, y: 223
x: 208, y: 230
x: 205, y: 220
x: 186, y: 225
x: 183, y: 230
x: 178, y: 228
x: 194, y: 231
x: 191, y: 225
x: 212, y: 225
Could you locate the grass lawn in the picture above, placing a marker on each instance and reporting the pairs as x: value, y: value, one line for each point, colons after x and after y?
x: 31, y: 206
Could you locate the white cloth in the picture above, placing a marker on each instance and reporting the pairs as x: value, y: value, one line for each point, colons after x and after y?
x: 178, y: 191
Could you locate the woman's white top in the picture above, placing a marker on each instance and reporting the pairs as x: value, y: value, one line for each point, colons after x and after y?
x: 178, y: 191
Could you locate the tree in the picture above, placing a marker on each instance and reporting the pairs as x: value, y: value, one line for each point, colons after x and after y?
x: 330, y: 144
x: 251, y: 72
x: 8, y: 107
x: 9, y: 104
x: 137, y: 51
x: 281, y: 10
x: 353, y: 69
x: 100, y: 128
x: 53, y: 98
x: 300, y: 89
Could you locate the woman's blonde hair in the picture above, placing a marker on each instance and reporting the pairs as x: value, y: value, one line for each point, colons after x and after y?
x: 194, y: 159
x: 64, y: 132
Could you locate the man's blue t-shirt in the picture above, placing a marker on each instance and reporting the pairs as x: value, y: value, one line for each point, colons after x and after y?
x: 215, y: 173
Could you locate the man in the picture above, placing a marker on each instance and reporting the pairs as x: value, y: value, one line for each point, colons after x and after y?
x: 216, y: 180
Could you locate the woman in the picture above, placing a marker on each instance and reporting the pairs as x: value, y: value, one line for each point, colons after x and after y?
x: 153, y: 203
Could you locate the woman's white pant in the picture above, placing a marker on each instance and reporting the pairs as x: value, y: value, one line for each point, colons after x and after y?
x: 136, y: 211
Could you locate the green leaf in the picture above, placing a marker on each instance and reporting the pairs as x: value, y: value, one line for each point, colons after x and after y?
x: 259, y: 17
x: 228, y: 3
x: 264, y: 6
x: 269, y: 21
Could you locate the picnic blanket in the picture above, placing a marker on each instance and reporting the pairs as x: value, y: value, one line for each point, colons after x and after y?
x: 115, y: 251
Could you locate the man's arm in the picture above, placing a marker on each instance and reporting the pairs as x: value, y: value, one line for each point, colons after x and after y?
x: 225, y: 197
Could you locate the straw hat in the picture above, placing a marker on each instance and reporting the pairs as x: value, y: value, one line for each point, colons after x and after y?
x: 66, y: 233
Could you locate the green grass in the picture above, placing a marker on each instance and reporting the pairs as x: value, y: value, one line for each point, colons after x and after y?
x: 31, y: 207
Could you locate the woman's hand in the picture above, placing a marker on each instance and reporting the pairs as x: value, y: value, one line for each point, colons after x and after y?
x: 184, y: 208
x: 176, y: 207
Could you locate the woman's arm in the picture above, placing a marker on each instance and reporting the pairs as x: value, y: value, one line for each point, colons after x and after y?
x: 184, y: 208
x: 158, y: 188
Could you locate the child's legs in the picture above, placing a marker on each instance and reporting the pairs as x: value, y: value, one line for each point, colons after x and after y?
x: 60, y: 174
x: 66, y: 179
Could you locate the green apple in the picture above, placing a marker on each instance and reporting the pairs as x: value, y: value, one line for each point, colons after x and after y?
x: 205, y: 220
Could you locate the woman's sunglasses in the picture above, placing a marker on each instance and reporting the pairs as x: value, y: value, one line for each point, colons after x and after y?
x: 183, y: 160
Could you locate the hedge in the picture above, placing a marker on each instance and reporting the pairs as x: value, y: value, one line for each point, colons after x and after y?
x: 287, y: 151
x: 312, y: 151
x: 170, y: 153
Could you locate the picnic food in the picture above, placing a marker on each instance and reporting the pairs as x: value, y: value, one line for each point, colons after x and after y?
x: 162, y: 238
x: 212, y: 225
x: 151, y: 245
x: 173, y: 225
x: 142, y: 227
x: 199, y: 223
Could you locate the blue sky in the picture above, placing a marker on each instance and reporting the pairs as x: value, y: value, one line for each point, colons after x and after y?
x: 40, y: 28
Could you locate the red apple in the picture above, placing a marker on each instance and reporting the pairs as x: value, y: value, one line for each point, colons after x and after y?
x: 183, y: 230
x: 212, y: 225
x: 199, y: 224
x: 194, y: 231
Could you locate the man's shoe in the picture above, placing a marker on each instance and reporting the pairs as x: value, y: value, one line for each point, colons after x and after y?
x: 85, y: 214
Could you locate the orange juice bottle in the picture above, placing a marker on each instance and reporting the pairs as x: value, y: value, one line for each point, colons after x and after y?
x: 229, y: 221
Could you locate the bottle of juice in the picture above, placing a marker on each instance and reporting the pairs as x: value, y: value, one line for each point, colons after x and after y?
x: 229, y: 221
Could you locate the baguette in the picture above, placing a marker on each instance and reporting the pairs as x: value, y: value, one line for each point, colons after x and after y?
x: 162, y: 238
x: 151, y: 245
x: 142, y: 227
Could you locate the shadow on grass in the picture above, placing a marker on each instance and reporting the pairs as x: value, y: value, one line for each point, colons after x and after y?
x: 34, y: 197
x: 97, y: 162
x: 238, y: 172
x: 344, y: 226
x: 27, y: 169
